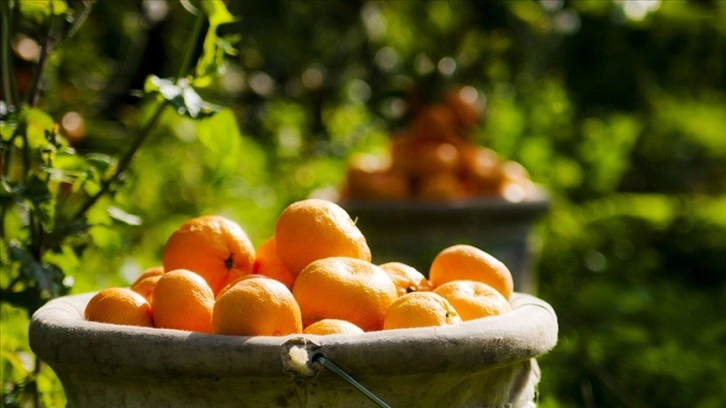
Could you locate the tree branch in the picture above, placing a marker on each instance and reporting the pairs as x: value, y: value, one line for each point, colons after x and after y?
x: 190, y: 49
x: 124, y: 161
x: 9, y: 91
x: 51, y: 39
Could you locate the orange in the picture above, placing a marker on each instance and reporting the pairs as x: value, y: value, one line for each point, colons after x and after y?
x: 402, y: 157
x: 466, y: 105
x: 434, y: 122
x: 344, y: 288
x: 514, y: 171
x: 212, y: 246
x: 473, y: 299
x: 441, y: 187
x: 483, y: 167
x: 370, y: 177
x: 241, y: 278
x: 183, y: 300
x: 313, y: 229
x: 119, y: 306
x: 384, y: 185
x: 435, y: 157
x: 405, y: 277
x: 267, y: 263
x: 466, y: 262
x: 516, y: 185
x: 362, y: 164
x: 144, y: 284
x: 514, y: 191
x: 420, y: 309
x: 332, y: 326
x: 256, y: 307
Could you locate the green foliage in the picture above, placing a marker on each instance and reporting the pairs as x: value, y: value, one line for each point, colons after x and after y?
x: 216, y: 47
x: 636, y: 310
x: 181, y: 96
x: 615, y: 109
x: 63, y: 212
x: 40, y: 10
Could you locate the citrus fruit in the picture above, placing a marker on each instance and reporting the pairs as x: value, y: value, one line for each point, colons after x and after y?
x: 516, y: 184
x: 144, y: 284
x: 213, y: 246
x: 435, y: 157
x: 241, y: 278
x: 332, y: 326
x: 435, y: 122
x: 344, y: 288
x: 313, y: 229
x: 420, y: 309
x: 416, y: 156
x: 443, y: 186
x: 383, y: 185
x: 402, y: 156
x: 119, y: 306
x: 405, y: 277
x: 465, y: 103
x: 483, y: 167
x: 473, y: 300
x: 256, y: 307
x: 183, y: 300
x: 371, y: 177
x: 466, y: 262
x: 267, y: 263
x: 363, y: 164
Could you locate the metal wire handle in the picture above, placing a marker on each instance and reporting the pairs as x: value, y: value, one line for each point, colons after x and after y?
x: 327, y: 363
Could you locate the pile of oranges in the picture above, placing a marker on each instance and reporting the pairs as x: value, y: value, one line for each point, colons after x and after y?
x: 434, y: 159
x: 314, y: 275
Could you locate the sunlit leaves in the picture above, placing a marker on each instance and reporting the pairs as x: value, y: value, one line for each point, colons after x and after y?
x: 606, y: 149
x: 700, y: 121
x: 47, y: 277
x: 215, y: 46
x: 352, y: 127
x: 506, y: 125
x: 181, y: 96
x: 39, y: 10
x: 36, y: 124
x: 43, y: 173
x: 221, y: 135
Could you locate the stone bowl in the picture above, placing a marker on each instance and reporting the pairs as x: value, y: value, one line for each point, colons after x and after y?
x: 414, y: 231
x: 489, y: 362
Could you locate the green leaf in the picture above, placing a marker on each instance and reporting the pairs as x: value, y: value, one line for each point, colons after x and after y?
x: 105, y: 237
x: 19, y: 371
x: 6, y: 132
x: 221, y: 135
x: 215, y: 46
x: 41, y: 200
x: 46, y: 277
x: 123, y: 216
x: 37, y: 125
x: 81, y: 172
x: 65, y: 259
x: 181, y: 96
x: 39, y: 10
x: 98, y: 214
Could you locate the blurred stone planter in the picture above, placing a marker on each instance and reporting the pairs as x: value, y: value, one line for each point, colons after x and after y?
x: 413, y: 232
x: 488, y: 362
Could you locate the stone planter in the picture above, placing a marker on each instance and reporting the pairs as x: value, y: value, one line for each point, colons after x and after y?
x: 414, y: 232
x: 488, y: 362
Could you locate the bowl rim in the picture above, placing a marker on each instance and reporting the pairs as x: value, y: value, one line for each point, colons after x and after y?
x: 60, y: 335
x: 538, y: 203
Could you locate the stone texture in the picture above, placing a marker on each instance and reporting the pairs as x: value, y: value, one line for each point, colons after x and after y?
x: 488, y: 362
